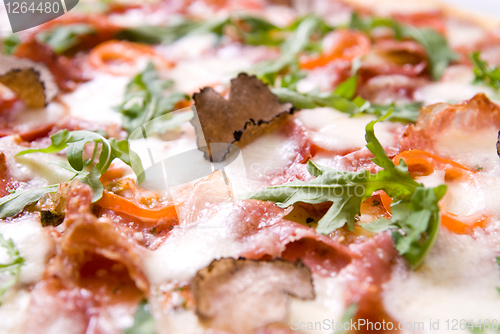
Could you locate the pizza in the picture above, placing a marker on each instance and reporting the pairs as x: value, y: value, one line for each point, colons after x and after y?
x: 251, y: 167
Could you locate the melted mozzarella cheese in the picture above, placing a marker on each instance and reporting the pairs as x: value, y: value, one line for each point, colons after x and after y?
x: 36, y: 169
x: 479, y: 196
x: 473, y: 150
x: 458, y: 280
x: 94, y: 101
x: 181, y: 321
x: 190, y: 76
x: 34, y: 245
x: 328, y: 305
x: 188, y: 47
x: 459, y: 33
x: 269, y: 155
x: 203, y: 235
x: 14, y: 312
x: 451, y: 92
x: 253, y: 168
x: 33, y: 118
x: 336, y: 131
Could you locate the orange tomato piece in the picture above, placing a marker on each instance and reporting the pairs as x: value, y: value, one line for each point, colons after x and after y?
x: 120, y: 57
x: 348, y: 44
x: 379, y: 205
x: 422, y: 163
x: 462, y: 224
x: 121, y: 204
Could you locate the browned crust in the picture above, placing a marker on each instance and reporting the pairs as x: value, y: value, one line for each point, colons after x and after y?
x: 483, y: 21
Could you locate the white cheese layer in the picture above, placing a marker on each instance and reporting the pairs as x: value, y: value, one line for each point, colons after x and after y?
x: 450, y: 92
x: 33, y: 243
x: 191, y: 76
x: 94, y: 101
x: 475, y: 150
x: 327, y: 307
x: 458, y: 280
x: 336, y: 131
x: 14, y: 312
x: 202, y: 236
x: 36, y: 169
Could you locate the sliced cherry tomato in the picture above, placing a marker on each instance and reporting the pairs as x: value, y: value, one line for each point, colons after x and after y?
x: 422, y: 163
x: 347, y: 45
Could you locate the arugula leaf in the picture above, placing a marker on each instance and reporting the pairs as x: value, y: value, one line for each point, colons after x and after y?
x: 348, y: 315
x: 368, y: 24
x: 303, y: 29
x: 10, y: 43
x: 62, y: 38
x: 316, y: 99
x: 15, y: 202
x: 75, y: 142
x: 498, y: 263
x: 484, y: 73
x: 144, y: 100
x: 419, y: 217
x: 439, y: 53
x: 252, y: 29
x: 416, y: 211
x: 144, y: 323
x: 401, y: 113
x: 164, y: 123
x: 347, y: 89
x: 13, y: 267
x: 344, y: 99
x: 168, y: 34
x: 257, y: 31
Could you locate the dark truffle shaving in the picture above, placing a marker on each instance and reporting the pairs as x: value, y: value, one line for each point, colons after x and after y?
x: 243, y: 295
x: 30, y: 81
x: 498, y: 144
x: 250, y: 111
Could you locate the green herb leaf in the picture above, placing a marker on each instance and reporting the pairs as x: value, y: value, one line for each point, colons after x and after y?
x: 144, y: 323
x: 169, y: 34
x: 440, y: 55
x: 75, y: 142
x: 162, y: 124
x: 485, y: 74
x: 15, y: 202
x: 104, y: 150
x: 401, y: 113
x: 303, y: 29
x: 347, y: 89
x: 144, y: 99
x: 416, y: 211
x: 348, y: 315
x: 257, y: 31
x: 10, y: 43
x: 346, y: 191
x: 13, y: 267
x: 62, y: 38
